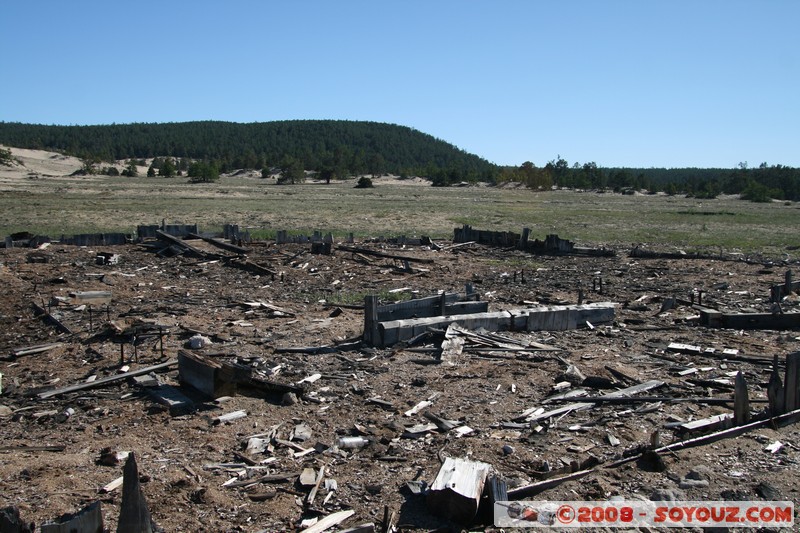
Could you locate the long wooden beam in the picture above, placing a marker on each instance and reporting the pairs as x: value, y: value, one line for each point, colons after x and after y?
x: 106, y: 380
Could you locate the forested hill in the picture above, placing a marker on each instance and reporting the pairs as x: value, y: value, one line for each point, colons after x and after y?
x: 342, y: 147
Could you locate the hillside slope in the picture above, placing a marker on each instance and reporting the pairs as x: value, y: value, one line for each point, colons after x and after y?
x: 343, y: 147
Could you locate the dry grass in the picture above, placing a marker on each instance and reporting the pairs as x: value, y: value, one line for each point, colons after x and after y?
x: 56, y: 205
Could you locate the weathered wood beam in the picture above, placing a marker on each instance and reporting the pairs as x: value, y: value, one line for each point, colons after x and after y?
x: 180, y: 243
x: 105, y: 381
x: 367, y: 251
x: 47, y: 317
x: 222, y: 245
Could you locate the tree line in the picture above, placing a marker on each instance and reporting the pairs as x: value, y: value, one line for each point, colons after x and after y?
x: 759, y: 184
x: 337, y: 149
x: 334, y: 148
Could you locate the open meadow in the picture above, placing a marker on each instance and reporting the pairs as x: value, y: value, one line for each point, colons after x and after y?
x: 41, y: 197
x: 633, y: 401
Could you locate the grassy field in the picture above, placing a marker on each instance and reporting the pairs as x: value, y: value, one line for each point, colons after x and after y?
x: 69, y: 205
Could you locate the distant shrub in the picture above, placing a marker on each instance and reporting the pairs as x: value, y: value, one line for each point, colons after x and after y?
x: 364, y: 183
x: 5, y: 157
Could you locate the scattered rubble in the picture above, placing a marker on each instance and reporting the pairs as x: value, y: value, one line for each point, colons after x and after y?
x: 398, y: 385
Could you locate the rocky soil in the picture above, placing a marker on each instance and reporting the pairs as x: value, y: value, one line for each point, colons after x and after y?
x: 185, y: 459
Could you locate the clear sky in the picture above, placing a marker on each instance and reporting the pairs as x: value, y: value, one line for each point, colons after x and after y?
x: 680, y: 83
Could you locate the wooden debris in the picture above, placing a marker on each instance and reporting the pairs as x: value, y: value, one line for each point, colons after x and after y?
x: 182, y: 245
x: 456, y: 492
x: 540, y: 486
x: 91, y: 297
x: 47, y: 317
x: 368, y: 527
x: 105, y: 381
x: 204, y: 374
x: 778, y: 321
x: 112, y: 485
x: 452, y: 346
x: 87, y: 520
x: 706, y: 424
x: 367, y: 251
x: 308, y: 477
x: 134, y: 516
x: 57, y: 448
x: 775, y: 393
x: 31, y: 350
x: 177, y: 402
x: 313, y: 494
x: 11, y: 522
x: 792, y: 383
x: 553, y: 318
x: 741, y: 404
x: 532, y: 415
x: 329, y: 521
x: 229, y: 417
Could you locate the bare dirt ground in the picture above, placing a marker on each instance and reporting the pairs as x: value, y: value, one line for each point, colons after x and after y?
x: 179, y: 456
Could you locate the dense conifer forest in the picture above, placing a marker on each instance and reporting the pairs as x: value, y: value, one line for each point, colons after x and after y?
x: 335, y: 148
x: 339, y: 149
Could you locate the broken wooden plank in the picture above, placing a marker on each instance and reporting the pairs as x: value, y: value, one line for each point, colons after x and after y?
x: 87, y: 520
x: 177, y: 402
x: 105, y: 381
x: 23, y: 448
x: 313, y: 494
x: 724, y: 420
x: 228, y: 247
x: 181, y: 244
x: 456, y: 492
x: 555, y: 318
x: 541, y: 486
x: 329, y: 521
x: 452, y: 346
x: 47, y: 317
x: 531, y: 416
x: 91, y: 297
x: 31, y: 350
x: 368, y: 527
x: 367, y: 251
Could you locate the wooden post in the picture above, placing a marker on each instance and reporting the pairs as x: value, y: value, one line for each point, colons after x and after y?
x: 741, y: 401
x: 161, y: 339
x: 134, y: 516
x: 523, y: 241
x: 371, y: 320
x: 443, y: 304
x: 456, y: 491
x: 775, y: 394
x: 792, y: 382
x: 787, y: 286
x: 91, y: 322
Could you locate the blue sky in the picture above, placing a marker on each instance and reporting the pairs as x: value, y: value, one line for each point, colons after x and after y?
x: 697, y: 83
